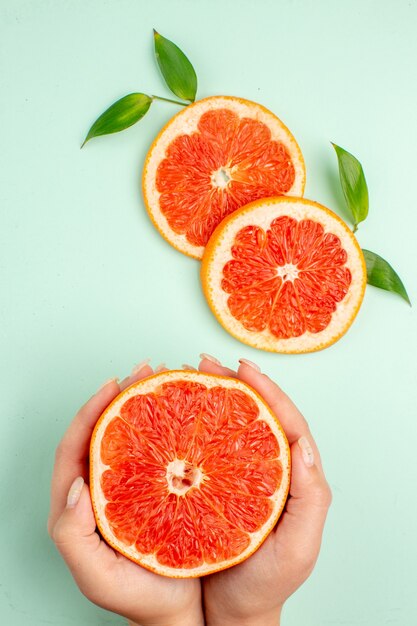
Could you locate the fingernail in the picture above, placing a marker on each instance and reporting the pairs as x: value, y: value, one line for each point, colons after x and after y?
x: 75, y: 492
x: 250, y: 364
x: 111, y: 380
x: 140, y: 366
x: 185, y: 366
x: 306, y: 451
x: 161, y: 367
x: 213, y: 359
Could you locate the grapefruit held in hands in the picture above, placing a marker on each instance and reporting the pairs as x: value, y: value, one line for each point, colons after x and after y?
x: 284, y: 274
x: 213, y: 157
x: 189, y: 473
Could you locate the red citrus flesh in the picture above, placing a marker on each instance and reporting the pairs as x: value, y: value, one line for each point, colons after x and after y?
x: 190, y: 477
x: 302, y: 294
x: 245, y: 163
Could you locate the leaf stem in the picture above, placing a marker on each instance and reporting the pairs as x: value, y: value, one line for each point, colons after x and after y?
x: 183, y: 104
x: 355, y: 228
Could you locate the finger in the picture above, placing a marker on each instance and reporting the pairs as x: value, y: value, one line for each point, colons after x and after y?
x: 210, y: 365
x: 141, y: 370
x: 300, y: 529
x: 292, y: 421
x: 161, y: 368
x: 72, y: 452
x: 74, y: 535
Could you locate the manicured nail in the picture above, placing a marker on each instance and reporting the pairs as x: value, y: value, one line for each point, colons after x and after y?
x: 140, y: 366
x: 306, y: 451
x: 185, y: 366
x: 213, y: 359
x: 111, y: 380
x: 75, y: 492
x: 160, y: 368
x: 250, y: 364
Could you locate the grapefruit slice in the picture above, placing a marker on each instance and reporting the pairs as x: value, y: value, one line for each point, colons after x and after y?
x: 284, y: 275
x: 189, y: 473
x: 210, y: 159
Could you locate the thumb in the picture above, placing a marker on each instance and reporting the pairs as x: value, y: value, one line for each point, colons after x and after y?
x: 74, y: 532
x: 300, y: 530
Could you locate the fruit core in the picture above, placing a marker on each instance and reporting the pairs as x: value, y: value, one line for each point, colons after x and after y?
x: 287, y: 271
x: 220, y: 177
x: 181, y: 476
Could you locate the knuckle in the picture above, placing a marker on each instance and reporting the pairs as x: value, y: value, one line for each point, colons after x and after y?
x: 50, y: 528
x: 303, y: 561
x: 60, y: 451
x: 58, y: 534
x: 327, y: 495
x: 324, y: 495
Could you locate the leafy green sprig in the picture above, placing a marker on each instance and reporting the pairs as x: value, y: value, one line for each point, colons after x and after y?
x: 178, y: 74
x: 352, y: 178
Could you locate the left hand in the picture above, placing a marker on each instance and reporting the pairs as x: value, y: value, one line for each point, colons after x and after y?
x: 104, y: 576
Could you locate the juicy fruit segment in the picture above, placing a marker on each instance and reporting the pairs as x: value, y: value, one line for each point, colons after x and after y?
x: 214, y: 157
x: 284, y: 274
x: 187, y: 476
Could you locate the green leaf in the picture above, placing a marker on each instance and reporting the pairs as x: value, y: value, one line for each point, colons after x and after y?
x: 122, y: 114
x: 354, y: 185
x: 176, y: 69
x: 382, y: 275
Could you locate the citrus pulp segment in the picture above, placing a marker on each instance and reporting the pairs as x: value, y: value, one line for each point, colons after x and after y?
x: 189, y: 472
x: 284, y: 275
x: 210, y: 159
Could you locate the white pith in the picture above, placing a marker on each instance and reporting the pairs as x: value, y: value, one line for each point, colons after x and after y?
x: 221, y: 177
x: 262, y: 213
x: 186, y: 122
x: 287, y: 272
x: 177, y: 479
x: 98, y: 467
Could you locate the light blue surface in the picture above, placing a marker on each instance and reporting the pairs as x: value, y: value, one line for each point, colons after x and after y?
x: 89, y: 288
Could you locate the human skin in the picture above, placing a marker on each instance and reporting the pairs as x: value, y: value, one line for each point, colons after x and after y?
x: 254, y: 592
x: 249, y: 594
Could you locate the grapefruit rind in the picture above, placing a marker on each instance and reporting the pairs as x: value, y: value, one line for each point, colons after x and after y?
x: 186, y: 122
x: 97, y: 467
x: 262, y: 213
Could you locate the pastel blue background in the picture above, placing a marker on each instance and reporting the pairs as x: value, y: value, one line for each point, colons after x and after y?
x: 88, y: 287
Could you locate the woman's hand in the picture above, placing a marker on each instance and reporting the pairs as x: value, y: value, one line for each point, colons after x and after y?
x: 253, y: 592
x: 103, y: 575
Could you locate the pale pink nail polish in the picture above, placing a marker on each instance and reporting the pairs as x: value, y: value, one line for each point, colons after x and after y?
x: 160, y: 368
x: 250, y: 364
x: 306, y: 451
x: 137, y: 368
x: 185, y: 366
x: 111, y: 380
x: 213, y: 359
x: 74, y: 492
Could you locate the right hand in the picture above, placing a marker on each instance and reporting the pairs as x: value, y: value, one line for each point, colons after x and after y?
x: 253, y: 592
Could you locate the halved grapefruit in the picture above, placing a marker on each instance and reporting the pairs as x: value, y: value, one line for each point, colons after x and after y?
x: 210, y: 159
x: 189, y: 472
x: 284, y: 275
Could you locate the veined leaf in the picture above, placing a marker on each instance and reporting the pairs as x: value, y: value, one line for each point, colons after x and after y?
x: 353, y: 184
x: 176, y: 69
x: 382, y: 275
x: 122, y: 114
